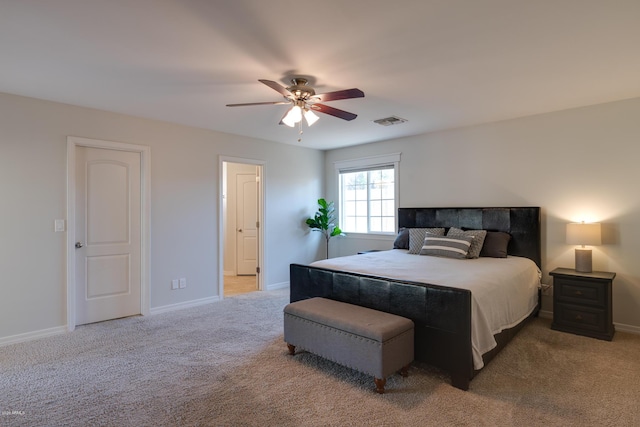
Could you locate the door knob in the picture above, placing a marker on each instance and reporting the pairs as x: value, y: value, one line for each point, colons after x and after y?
x: 239, y: 230
x: 79, y: 245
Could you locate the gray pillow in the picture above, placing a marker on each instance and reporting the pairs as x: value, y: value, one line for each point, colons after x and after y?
x: 495, y: 244
x: 402, y: 239
x: 478, y: 239
x: 447, y: 246
x: 416, y: 238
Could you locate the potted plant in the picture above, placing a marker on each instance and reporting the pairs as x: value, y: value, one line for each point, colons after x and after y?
x: 325, y: 222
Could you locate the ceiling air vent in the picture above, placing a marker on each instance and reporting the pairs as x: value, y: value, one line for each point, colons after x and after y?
x: 388, y: 121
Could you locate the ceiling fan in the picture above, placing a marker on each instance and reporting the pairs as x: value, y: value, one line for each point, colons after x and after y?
x: 304, y: 101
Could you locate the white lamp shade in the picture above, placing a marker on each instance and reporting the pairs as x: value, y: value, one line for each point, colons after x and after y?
x: 584, y: 234
x: 311, y: 117
x: 293, y: 116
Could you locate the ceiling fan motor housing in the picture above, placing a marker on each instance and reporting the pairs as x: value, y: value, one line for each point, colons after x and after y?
x: 300, y: 90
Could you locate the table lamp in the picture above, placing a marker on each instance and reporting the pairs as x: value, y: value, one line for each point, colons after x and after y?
x: 583, y: 234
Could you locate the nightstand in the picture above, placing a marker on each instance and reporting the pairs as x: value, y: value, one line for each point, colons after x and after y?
x: 582, y: 303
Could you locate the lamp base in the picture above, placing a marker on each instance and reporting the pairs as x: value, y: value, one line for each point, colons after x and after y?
x: 583, y: 260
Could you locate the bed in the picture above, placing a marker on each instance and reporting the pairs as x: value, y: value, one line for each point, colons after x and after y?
x: 443, y: 310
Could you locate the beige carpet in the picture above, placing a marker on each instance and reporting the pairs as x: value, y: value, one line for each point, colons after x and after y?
x: 224, y: 364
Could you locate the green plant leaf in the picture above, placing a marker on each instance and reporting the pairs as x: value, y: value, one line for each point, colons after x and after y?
x: 323, y: 203
x: 337, y: 232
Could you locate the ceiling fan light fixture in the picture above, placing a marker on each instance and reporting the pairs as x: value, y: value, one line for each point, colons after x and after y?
x: 310, y: 117
x: 293, y: 116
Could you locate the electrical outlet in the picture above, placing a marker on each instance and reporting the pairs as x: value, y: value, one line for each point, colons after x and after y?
x: 183, y: 283
x: 174, y: 284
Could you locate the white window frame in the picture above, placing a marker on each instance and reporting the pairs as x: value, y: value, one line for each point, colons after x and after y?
x: 364, y: 163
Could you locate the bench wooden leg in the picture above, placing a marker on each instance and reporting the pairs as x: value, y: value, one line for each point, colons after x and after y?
x: 380, y: 384
x: 292, y: 349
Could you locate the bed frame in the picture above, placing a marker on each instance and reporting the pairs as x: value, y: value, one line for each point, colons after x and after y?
x: 442, y: 315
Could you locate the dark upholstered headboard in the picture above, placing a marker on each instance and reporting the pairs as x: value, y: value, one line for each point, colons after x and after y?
x: 522, y: 223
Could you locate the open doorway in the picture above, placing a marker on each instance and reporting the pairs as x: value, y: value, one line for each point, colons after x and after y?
x: 241, y: 204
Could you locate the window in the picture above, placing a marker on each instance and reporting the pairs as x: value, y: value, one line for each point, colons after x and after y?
x: 368, y: 194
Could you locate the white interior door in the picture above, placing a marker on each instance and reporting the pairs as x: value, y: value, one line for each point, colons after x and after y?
x: 108, y: 248
x: 246, y: 223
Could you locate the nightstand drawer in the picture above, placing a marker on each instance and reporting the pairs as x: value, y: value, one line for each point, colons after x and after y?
x: 579, y: 292
x: 582, y: 318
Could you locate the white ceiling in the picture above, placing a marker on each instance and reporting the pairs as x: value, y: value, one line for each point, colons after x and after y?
x: 438, y: 63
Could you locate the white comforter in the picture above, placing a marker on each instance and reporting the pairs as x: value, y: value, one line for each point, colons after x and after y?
x: 504, y: 291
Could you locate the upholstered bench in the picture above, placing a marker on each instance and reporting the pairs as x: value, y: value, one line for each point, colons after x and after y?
x: 369, y: 341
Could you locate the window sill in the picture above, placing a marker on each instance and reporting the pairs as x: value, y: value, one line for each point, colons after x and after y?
x: 370, y: 236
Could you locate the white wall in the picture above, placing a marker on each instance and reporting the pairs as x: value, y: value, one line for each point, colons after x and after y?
x: 184, y: 206
x: 575, y: 164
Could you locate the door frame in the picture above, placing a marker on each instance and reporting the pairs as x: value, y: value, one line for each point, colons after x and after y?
x: 145, y: 219
x: 261, y: 164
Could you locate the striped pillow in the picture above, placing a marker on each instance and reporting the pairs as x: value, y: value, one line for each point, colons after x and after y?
x: 478, y: 239
x: 416, y: 237
x: 446, y: 246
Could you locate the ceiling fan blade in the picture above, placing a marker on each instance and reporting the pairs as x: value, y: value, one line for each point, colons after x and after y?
x: 345, y: 115
x: 277, y: 87
x: 259, y: 103
x: 339, y: 94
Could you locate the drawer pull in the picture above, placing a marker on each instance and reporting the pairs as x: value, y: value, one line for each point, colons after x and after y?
x: 578, y: 293
x: 578, y: 317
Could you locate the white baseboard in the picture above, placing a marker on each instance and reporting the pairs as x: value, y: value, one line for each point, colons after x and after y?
x: 181, y: 305
x: 627, y: 328
x: 30, y: 336
x: 545, y: 314
x: 274, y: 286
